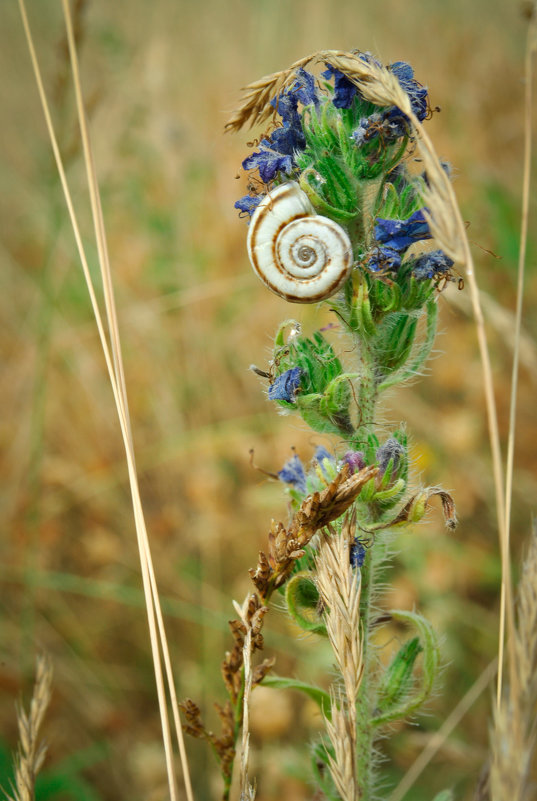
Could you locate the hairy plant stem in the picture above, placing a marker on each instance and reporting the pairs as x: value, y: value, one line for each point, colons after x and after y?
x: 364, y: 730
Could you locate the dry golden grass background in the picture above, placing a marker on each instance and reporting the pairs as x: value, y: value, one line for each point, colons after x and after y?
x: 160, y: 80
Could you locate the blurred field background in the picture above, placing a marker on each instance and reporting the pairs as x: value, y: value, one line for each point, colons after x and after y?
x: 160, y: 79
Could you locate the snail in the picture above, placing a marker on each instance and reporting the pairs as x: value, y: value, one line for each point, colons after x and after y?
x: 299, y: 255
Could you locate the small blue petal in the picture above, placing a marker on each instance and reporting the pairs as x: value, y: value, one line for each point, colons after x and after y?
x: 320, y: 455
x: 268, y: 162
x: 402, y: 71
x: 344, y: 90
x: 293, y: 473
x: 287, y: 140
x: 400, y: 234
x: 429, y: 265
x: 416, y: 92
x: 383, y: 260
x: 286, y: 385
x: 305, y: 88
x: 249, y: 203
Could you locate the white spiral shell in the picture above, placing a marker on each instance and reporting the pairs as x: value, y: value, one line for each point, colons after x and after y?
x: 299, y: 255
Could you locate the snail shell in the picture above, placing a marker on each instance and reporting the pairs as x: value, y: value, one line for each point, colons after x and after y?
x: 299, y: 255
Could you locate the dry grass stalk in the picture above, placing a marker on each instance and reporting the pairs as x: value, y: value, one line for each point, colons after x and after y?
x: 247, y: 791
x: 514, y: 729
x: 531, y: 47
x: 114, y: 363
x: 343, y: 763
x: 31, y: 753
x: 376, y: 84
x: 339, y: 588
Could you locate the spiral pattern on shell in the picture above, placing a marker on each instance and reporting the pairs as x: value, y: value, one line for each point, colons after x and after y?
x: 299, y: 255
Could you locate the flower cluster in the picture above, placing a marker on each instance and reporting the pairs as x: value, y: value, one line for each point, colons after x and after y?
x: 339, y: 147
x: 390, y: 461
x: 277, y: 155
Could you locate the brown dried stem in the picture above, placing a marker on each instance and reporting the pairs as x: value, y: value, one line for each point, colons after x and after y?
x: 286, y: 545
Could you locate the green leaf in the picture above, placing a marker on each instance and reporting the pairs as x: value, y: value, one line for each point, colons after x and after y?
x: 422, y: 353
x: 309, y: 407
x: 392, y: 493
x: 364, y: 317
x: 321, y: 698
x: 279, y: 339
x: 397, y: 679
x: 430, y: 660
x: 302, y: 597
x: 337, y: 395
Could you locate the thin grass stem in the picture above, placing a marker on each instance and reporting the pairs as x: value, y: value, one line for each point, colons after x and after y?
x: 531, y: 46
x: 115, y: 371
x: 492, y: 415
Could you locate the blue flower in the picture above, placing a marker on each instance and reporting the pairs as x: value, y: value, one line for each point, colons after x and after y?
x: 287, y: 140
x: 285, y: 386
x: 429, y: 265
x: 277, y: 153
x: 268, y: 162
x: 416, y: 92
x: 293, y: 473
x: 394, y: 118
x: 320, y: 455
x: 400, y: 234
x: 383, y: 260
x: 344, y: 90
x: 392, y: 450
x: 357, y: 553
x: 249, y: 203
x: 305, y: 88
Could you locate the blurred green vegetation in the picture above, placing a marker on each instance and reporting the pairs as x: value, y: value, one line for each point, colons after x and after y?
x: 160, y: 80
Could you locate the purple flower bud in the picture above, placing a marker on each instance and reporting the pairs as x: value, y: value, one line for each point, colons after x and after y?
x: 305, y: 88
x: 355, y: 459
x: 368, y: 128
x: 391, y: 450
